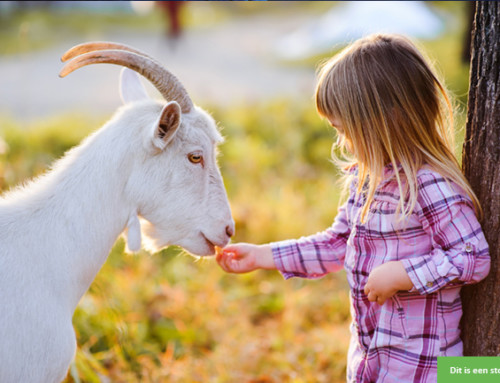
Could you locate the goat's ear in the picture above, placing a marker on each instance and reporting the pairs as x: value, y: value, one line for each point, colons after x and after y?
x: 131, y: 88
x: 167, y: 125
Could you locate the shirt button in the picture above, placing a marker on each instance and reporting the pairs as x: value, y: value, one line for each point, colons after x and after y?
x: 430, y: 284
x: 468, y: 248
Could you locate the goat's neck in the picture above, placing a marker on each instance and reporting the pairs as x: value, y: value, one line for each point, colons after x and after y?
x: 84, y: 198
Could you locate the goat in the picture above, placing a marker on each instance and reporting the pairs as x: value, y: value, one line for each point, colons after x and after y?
x: 150, y: 172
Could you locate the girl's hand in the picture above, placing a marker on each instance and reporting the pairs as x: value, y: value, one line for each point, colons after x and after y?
x: 244, y: 257
x: 386, y: 280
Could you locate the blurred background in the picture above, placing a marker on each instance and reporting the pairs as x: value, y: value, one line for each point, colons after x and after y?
x: 169, y: 317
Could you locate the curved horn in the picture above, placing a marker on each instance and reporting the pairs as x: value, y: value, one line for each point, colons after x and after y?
x: 168, y: 85
x: 80, y: 49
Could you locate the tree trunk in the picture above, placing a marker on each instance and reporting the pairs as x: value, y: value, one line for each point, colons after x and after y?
x: 481, y: 165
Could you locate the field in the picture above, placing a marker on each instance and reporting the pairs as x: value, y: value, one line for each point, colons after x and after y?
x: 171, y: 317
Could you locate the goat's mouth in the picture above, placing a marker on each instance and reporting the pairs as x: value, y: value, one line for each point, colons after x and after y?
x: 209, y: 243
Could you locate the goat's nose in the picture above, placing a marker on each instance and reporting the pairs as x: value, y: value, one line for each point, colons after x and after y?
x: 230, y: 230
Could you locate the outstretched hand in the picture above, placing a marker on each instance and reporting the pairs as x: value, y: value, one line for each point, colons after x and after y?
x: 244, y: 257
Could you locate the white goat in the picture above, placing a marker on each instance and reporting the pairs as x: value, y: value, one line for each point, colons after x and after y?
x: 152, y: 161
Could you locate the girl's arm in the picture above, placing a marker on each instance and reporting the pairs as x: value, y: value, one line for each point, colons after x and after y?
x: 244, y: 257
x: 307, y: 257
x: 460, y: 252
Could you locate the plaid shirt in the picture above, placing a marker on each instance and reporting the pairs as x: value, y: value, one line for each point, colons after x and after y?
x: 442, y: 248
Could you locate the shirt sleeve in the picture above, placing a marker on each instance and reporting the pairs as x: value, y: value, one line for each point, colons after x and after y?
x: 315, y: 255
x: 460, y: 252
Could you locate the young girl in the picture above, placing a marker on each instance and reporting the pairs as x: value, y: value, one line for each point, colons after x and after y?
x: 407, y: 236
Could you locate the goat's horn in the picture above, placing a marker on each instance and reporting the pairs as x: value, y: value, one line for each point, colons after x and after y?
x: 168, y: 85
x: 80, y: 49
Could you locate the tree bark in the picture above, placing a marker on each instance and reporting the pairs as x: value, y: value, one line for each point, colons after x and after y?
x: 481, y: 166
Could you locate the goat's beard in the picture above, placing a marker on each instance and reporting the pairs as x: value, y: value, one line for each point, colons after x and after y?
x: 192, y: 241
x: 154, y: 238
x: 151, y: 240
x: 140, y: 234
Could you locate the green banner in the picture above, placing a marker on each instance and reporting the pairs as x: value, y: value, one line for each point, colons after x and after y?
x: 477, y: 369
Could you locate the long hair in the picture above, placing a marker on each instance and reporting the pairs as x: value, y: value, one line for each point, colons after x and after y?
x: 393, y: 110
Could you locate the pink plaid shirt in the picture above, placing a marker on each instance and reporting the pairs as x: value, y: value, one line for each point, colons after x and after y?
x: 442, y: 248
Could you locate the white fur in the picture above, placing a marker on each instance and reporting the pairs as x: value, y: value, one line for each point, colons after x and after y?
x: 134, y: 233
x: 56, y: 231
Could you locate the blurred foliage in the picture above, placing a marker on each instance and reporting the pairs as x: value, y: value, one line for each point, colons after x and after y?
x: 277, y: 170
x: 27, y: 151
x: 32, y: 26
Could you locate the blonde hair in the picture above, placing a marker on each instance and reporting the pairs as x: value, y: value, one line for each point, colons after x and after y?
x: 393, y: 110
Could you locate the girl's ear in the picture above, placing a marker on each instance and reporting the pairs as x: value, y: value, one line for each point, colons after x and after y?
x: 166, y: 125
x: 131, y: 88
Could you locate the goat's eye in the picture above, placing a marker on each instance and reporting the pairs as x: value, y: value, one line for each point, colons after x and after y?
x: 195, y: 158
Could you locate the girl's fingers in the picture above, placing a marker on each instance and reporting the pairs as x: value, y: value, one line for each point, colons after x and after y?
x: 222, y: 259
x: 236, y: 258
x: 236, y: 251
x: 227, y: 260
x: 372, y: 297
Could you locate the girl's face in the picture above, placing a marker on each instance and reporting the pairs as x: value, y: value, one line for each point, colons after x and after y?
x: 337, y: 125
